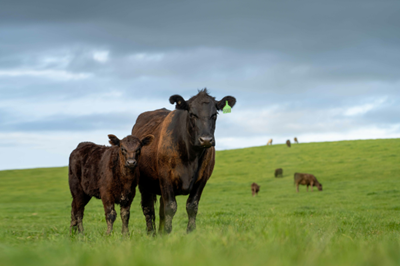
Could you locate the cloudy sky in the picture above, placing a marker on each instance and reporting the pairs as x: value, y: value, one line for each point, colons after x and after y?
x: 73, y: 71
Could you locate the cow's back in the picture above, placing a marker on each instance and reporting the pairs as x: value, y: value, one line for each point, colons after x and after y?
x: 298, y: 177
x: 149, y: 123
x: 85, y: 168
x: 304, y: 179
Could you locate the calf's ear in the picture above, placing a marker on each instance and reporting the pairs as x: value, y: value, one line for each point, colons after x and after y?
x: 221, y: 104
x: 113, y: 140
x: 147, y: 140
x: 181, y: 104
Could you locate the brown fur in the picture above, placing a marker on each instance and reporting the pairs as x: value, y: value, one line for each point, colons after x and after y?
x: 178, y: 162
x: 288, y: 143
x: 107, y: 173
x: 278, y: 172
x: 306, y: 179
x: 255, y: 189
x: 269, y: 142
x: 295, y: 140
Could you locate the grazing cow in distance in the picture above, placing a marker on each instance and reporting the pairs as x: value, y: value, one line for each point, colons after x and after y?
x: 306, y: 179
x: 254, y: 189
x: 278, y: 172
x: 295, y: 140
x: 269, y: 142
x: 181, y: 158
x: 288, y: 143
x: 108, y: 173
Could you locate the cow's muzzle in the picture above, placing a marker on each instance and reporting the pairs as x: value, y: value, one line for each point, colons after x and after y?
x: 207, y: 142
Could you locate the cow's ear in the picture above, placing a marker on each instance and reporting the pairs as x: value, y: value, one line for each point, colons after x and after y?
x: 181, y: 104
x: 147, y: 140
x: 221, y: 104
x: 113, y: 140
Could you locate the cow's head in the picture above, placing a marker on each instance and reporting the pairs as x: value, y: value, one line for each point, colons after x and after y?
x: 129, y: 148
x: 202, y: 111
x: 319, y: 186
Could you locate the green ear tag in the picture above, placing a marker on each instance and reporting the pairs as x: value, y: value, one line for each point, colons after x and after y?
x: 227, y: 108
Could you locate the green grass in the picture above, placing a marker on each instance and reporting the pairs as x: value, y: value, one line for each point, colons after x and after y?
x: 354, y: 221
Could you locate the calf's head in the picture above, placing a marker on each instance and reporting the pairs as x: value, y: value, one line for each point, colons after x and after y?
x: 202, y: 110
x: 129, y: 148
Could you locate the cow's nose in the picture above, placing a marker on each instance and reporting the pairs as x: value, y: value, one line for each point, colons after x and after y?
x: 206, y: 141
x: 131, y: 163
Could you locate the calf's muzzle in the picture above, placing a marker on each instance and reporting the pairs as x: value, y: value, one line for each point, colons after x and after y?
x: 131, y: 163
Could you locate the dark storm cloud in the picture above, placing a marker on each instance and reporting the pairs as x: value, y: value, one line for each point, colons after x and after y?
x: 114, y: 121
x: 296, y: 28
x: 284, y: 47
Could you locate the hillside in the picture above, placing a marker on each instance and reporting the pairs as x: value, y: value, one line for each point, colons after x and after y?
x: 355, y: 220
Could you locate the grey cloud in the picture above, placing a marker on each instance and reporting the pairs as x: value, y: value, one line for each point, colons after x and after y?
x: 112, y: 121
x: 282, y: 48
x: 305, y: 27
x: 303, y: 119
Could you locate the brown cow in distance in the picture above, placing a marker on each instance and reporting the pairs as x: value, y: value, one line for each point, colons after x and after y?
x: 295, y: 140
x: 278, y: 172
x: 288, y: 143
x: 181, y: 158
x: 306, y: 179
x: 269, y: 142
x: 107, y: 173
x: 254, y: 189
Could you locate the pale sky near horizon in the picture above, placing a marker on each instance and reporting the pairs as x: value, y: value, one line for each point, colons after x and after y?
x: 73, y: 71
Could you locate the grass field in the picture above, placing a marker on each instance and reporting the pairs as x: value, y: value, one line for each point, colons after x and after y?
x: 355, y: 220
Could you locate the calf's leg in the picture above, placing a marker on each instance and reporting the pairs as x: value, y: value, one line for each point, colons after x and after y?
x: 110, y: 213
x: 125, y: 214
x: 78, y: 207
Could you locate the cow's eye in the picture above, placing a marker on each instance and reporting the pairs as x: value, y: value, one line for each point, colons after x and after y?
x: 123, y: 150
x: 192, y: 115
x: 138, y: 152
x: 214, y: 116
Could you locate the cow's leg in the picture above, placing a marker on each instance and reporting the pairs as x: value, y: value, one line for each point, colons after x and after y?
x: 125, y: 214
x: 78, y: 207
x: 307, y: 188
x: 148, y: 211
x: 110, y: 213
x: 297, y: 187
x: 192, y: 205
x: 162, y: 216
x: 311, y: 184
x: 168, y: 208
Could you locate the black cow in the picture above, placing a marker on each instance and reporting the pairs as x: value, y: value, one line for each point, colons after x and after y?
x: 279, y: 172
x: 181, y: 158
